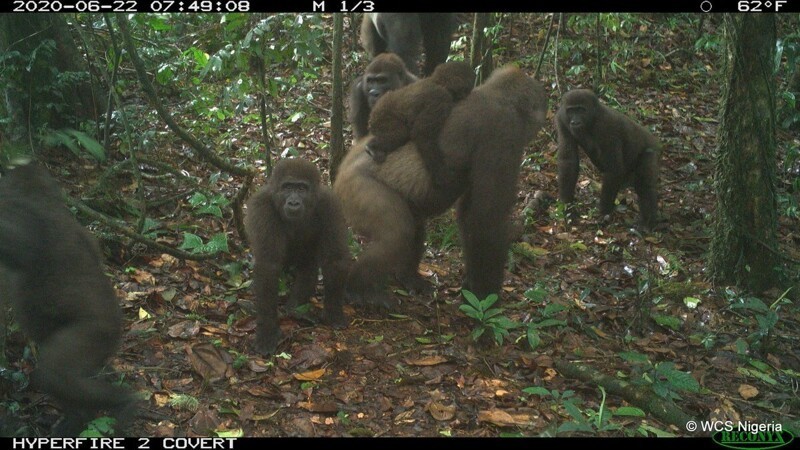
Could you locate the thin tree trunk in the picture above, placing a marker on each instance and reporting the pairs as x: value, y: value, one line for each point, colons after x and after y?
x: 744, y: 243
x: 337, y: 108
x: 480, y: 54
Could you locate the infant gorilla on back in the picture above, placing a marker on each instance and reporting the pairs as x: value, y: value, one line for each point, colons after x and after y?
x: 417, y: 113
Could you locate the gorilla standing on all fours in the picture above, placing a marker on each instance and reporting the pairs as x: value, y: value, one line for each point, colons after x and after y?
x: 482, y: 141
x: 295, y: 222
x: 60, y: 297
x: 405, y: 33
x: 624, y: 152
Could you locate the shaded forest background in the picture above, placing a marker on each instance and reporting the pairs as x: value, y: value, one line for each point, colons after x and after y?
x: 597, y: 325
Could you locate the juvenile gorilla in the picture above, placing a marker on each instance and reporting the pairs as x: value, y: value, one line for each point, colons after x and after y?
x: 385, y: 73
x: 624, y: 152
x: 403, y: 33
x: 295, y: 222
x: 482, y: 141
x: 417, y: 113
x: 61, y: 298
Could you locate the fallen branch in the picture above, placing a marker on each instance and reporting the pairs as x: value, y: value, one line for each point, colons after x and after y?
x: 662, y: 409
x: 125, y: 231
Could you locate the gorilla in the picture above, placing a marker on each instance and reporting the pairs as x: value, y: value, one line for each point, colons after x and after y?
x: 295, y: 222
x: 624, y: 152
x: 404, y: 33
x: 482, y: 141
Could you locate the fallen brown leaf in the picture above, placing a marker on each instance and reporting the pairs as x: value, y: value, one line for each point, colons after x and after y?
x: 442, y: 412
x: 212, y: 363
x: 184, y: 329
x: 312, y: 375
x: 747, y: 392
x: 427, y: 361
x: 503, y: 419
x: 327, y: 407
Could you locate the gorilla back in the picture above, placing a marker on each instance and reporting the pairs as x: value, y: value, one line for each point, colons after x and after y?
x: 60, y: 296
x: 483, y: 140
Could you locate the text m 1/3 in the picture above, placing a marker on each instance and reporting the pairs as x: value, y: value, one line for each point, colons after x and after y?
x: 354, y: 6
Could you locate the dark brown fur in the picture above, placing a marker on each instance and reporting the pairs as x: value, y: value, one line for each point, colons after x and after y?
x: 624, y: 152
x: 61, y: 297
x: 417, y: 113
x: 295, y: 222
x: 482, y: 141
x: 385, y: 73
x: 405, y: 33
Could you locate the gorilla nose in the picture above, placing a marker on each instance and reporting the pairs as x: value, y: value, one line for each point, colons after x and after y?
x: 375, y: 93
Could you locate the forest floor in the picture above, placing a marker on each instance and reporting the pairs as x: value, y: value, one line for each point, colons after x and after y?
x: 629, y: 306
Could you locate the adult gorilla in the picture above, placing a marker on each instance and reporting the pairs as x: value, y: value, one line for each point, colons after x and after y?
x: 482, y: 142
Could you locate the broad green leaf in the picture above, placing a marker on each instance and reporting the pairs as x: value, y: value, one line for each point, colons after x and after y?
x: 477, y: 333
x: 553, y: 309
x: 549, y: 323
x: 212, y: 210
x: 691, y: 302
x: 634, y: 357
x: 680, y: 380
x: 472, y: 299
x: 629, y: 411
x: 537, y: 390
x: 488, y: 302
x: 757, y: 374
x: 533, y: 338
x: 190, y: 241
x: 670, y: 322
x: 471, y: 312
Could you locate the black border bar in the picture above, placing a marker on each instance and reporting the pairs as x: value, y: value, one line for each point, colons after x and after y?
x: 342, y: 6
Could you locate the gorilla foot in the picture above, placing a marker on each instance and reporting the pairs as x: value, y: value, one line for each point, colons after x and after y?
x: 267, y: 342
x: 372, y: 300
x: 415, y: 284
x: 337, y: 321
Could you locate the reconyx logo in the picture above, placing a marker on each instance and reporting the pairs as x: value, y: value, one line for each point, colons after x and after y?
x: 745, y: 440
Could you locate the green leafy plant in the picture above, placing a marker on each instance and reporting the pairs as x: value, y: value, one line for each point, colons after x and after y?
x: 75, y: 141
x: 664, y: 378
x: 766, y: 316
x: 100, y: 427
x: 487, y: 318
x: 183, y: 402
x: 204, y: 204
x: 194, y: 243
x: 537, y: 296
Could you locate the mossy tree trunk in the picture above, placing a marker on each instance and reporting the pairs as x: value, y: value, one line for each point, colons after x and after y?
x: 744, y: 243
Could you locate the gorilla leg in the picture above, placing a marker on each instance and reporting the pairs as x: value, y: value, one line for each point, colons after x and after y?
x: 335, y: 275
x: 370, y: 38
x: 265, y: 282
x: 646, y: 187
x: 391, y: 226
x: 483, y: 216
x: 305, y: 283
x: 437, y: 31
x: 485, y: 246
x: 67, y: 362
x: 612, y: 183
x: 408, y: 276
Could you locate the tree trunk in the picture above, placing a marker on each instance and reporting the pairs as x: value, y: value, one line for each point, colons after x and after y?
x: 337, y: 108
x: 744, y: 243
x: 480, y: 54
